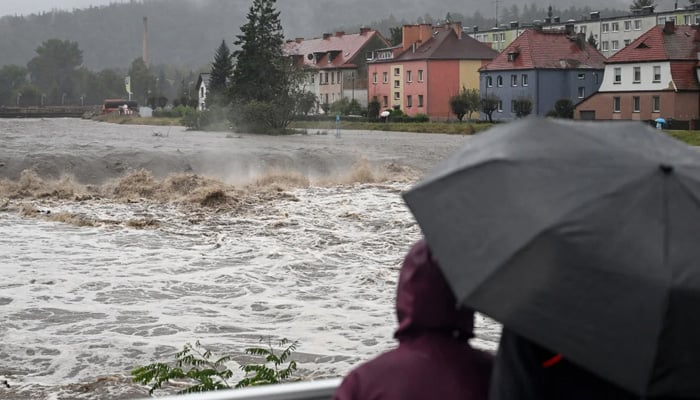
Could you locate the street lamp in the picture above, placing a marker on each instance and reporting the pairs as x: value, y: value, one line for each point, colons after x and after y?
x: 82, y: 100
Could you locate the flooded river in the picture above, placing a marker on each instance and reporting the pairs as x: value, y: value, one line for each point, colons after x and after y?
x: 119, y: 244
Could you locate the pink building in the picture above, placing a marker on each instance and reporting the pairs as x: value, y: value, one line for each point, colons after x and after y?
x: 432, y: 65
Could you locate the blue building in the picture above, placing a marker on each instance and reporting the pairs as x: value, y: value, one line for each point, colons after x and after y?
x: 542, y: 67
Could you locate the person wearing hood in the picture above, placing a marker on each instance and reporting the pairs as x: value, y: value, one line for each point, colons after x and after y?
x: 434, y: 359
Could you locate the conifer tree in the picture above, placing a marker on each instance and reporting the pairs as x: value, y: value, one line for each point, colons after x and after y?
x: 259, y: 74
x: 221, y: 71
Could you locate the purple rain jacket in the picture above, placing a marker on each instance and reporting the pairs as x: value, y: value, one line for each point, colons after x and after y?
x: 434, y: 359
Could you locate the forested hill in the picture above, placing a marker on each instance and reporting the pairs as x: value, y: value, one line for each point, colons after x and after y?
x: 186, y: 32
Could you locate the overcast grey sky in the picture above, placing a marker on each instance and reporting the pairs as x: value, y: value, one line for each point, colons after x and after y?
x: 12, y: 7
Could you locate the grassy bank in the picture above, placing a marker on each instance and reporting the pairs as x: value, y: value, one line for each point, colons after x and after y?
x: 465, y: 128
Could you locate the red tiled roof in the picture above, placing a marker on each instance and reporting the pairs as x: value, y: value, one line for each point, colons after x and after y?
x: 445, y: 45
x: 656, y: 45
x: 683, y: 75
x: 344, y: 47
x: 547, y: 50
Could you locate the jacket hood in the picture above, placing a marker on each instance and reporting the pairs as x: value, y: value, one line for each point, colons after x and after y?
x: 424, y: 301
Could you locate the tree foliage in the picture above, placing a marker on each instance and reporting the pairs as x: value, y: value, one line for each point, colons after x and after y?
x: 53, y: 69
x: 221, y: 71
x: 489, y: 104
x: 522, y: 107
x: 198, y: 365
x: 564, y: 108
x: 12, y: 78
x: 466, y: 102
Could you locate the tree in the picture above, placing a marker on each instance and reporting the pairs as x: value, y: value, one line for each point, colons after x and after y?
x: 373, y: 109
x: 564, y: 108
x: 259, y: 72
x: 53, y: 69
x: 489, y: 104
x: 592, y: 41
x: 12, y: 77
x: 221, y: 71
x: 396, y: 35
x: 522, y: 107
x: 639, y: 4
x: 142, y: 81
x: 465, y: 103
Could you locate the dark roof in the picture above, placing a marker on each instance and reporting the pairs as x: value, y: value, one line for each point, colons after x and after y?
x: 535, y: 49
x: 446, y: 45
x: 681, y: 43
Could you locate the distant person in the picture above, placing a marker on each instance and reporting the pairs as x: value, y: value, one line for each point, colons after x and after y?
x: 434, y: 359
x: 526, y: 371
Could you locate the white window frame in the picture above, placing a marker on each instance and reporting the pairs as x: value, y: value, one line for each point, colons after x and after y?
x: 615, y: 26
x: 605, y: 28
x: 657, y: 74
x: 420, y: 100
x: 499, y: 81
x: 420, y: 75
x: 615, y: 45
x: 385, y: 77
x: 637, y: 75
x: 617, y: 76
x: 656, y: 103
x: 637, y: 24
x: 523, y: 79
x: 397, y: 96
x: 617, y: 101
x: 409, y: 101
x: 605, y: 46
x: 628, y: 25
x: 581, y: 92
x: 514, y: 80
x: 499, y: 106
x: 409, y: 76
x: 636, y: 104
x: 397, y: 71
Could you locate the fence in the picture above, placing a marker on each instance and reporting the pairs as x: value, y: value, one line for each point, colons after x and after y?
x: 311, y: 390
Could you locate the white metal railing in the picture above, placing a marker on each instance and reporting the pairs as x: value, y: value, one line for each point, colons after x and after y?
x: 309, y: 390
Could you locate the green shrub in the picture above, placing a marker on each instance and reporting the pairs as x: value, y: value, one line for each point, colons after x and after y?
x: 196, y: 364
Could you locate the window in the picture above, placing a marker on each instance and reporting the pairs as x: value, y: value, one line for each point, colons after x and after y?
x: 605, y: 28
x: 500, y: 106
x: 512, y: 106
x: 409, y: 101
x: 409, y: 76
x: 656, y: 104
x: 604, y: 46
x: 581, y: 76
x: 495, y: 37
x: 615, y: 44
x: 420, y: 100
x: 662, y: 20
x: 499, y: 81
x: 397, y: 71
x: 386, y: 101
x: 697, y: 20
x: 523, y: 79
x: 503, y: 37
x: 616, y: 104
x: 489, y: 81
x: 320, y: 78
x: 581, y: 92
x: 374, y: 77
x: 627, y: 42
x: 637, y: 24
x: 628, y: 25
x: 637, y: 74
x: 618, y: 75
x: 615, y: 26
x: 514, y: 80
x: 657, y: 73
x: 385, y: 77
x: 332, y: 78
x: 635, y: 104
x: 420, y: 75
x: 687, y: 19
x: 397, y: 83
x: 340, y: 74
x: 397, y: 96
x: 582, y: 29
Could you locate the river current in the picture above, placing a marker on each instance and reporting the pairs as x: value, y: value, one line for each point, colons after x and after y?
x: 119, y: 244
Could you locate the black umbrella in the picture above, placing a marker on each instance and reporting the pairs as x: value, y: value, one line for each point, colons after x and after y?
x: 583, y: 237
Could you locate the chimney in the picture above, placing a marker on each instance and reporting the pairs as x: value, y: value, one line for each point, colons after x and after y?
x: 670, y: 27
x: 299, y: 39
x: 364, y: 30
x: 145, y: 40
x: 339, y: 34
x: 327, y: 36
x: 457, y: 27
x: 569, y: 29
x: 514, y: 24
x: 595, y: 15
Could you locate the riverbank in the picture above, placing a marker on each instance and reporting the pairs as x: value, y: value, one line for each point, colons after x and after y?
x: 464, y: 128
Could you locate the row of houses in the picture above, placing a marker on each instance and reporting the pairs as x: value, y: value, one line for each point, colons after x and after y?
x: 655, y: 75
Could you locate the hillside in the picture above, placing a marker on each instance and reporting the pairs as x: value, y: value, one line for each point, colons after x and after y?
x: 186, y: 32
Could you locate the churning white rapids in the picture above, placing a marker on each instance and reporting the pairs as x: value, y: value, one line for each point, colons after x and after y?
x: 119, y: 244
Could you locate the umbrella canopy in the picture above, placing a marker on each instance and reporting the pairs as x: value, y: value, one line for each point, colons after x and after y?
x: 582, y: 237
x: 660, y: 120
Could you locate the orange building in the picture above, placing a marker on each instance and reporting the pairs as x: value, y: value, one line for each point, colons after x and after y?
x: 432, y: 64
